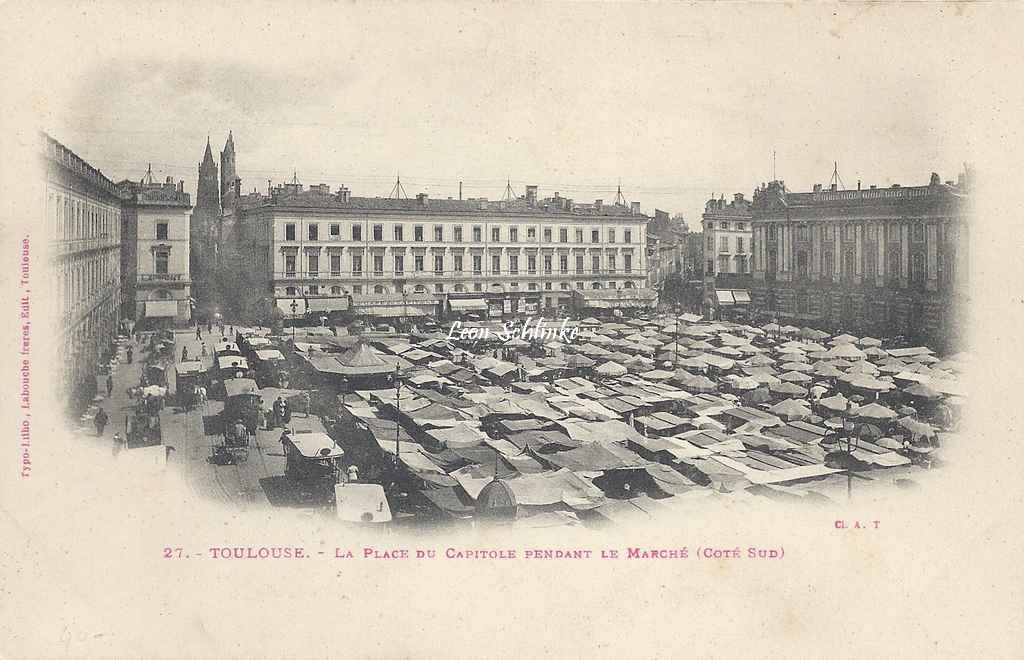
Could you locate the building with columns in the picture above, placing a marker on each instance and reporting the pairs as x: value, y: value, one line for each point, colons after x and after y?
x: 155, y: 261
x: 83, y: 230
x: 314, y: 251
x: 879, y: 261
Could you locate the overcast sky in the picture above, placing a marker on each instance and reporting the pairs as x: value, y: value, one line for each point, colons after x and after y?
x: 677, y: 102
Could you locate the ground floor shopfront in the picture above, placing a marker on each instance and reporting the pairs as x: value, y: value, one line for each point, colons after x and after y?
x: 930, y: 317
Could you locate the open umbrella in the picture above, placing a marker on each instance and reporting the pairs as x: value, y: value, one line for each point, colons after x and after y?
x: 699, y: 385
x: 743, y: 383
x: 656, y: 375
x: 796, y: 366
x: 760, y: 360
x: 846, y: 351
x: 875, y: 412
x: 760, y: 395
x: 790, y: 409
x: 843, y: 339
x: 837, y: 403
x: 795, y: 377
x: 917, y: 428
x: 826, y: 370
x: 788, y: 389
x: 579, y: 362
x: 922, y: 391
x: 869, y: 341
x: 611, y: 369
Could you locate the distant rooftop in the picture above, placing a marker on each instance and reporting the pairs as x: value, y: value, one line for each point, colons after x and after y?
x: 319, y: 196
x: 147, y: 192
x: 775, y: 193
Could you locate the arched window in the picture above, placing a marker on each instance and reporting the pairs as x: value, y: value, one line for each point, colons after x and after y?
x: 335, y: 290
x: 595, y: 285
x: 378, y: 289
x: 420, y: 289
x: 289, y: 291
x: 459, y: 288
x: 630, y: 285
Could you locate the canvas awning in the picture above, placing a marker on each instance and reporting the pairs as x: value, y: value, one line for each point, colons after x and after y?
x: 466, y: 305
x: 724, y: 298
x: 741, y: 296
x: 161, y: 308
x: 380, y: 311
x: 285, y: 305
x: 327, y: 304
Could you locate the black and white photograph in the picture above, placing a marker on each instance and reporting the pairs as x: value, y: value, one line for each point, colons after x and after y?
x: 351, y: 314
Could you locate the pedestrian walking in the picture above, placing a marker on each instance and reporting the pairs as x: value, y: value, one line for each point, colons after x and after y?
x: 118, y: 444
x: 209, y: 327
x: 184, y: 353
x: 100, y: 420
x: 204, y: 350
x: 131, y: 355
x: 199, y: 333
x: 110, y: 384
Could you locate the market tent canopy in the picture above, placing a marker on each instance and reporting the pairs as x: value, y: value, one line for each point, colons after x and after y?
x: 468, y: 304
x: 327, y: 304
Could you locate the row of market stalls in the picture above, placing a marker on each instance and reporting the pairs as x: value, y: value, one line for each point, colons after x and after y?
x: 497, y: 303
x: 636, y: 419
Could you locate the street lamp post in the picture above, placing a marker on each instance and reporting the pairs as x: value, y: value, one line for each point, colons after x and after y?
x: 398, y: 420
x: 295, y: 316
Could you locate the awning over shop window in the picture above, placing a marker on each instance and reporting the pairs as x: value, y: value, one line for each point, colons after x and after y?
x: 725, y: 298
x: 387, y: 312
x: 741, y: 296
x: 285, y: 305
x: 161, y: 308
x: 616, y: 298
x: 471, y: 304
x: 328, y: 304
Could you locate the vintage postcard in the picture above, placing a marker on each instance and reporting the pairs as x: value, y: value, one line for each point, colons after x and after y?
x: 411, y: 330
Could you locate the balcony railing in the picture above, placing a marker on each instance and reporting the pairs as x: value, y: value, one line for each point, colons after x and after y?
x: 162, y: 277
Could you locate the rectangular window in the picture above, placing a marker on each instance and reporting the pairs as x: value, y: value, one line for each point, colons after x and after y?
x: 627, y: 236
x: 563, y: 235
x: 357, y: 232
x: 740, y: 226
x: 531, y: 233
x: 495, y: 264
x: 478, y: 267
x: 513, y: 234
x: 399, y: 264
x: 438, y: 264
x: 711, y: 242
x: 627, y: 263
x: 335, y: 265
x: 547, y: 264
x: 513, y: 265
x: 357, y: 264
x: 595, y: 236
x: 579, y: 264
x: 458, y: 233
x: 595, y: 264
x: 496, y: 234
x: 314, y: 290
x: 478, y: 287
x: 417, y: 233
x: 399, y: 233
x: 161, y: 231
x: 739, y: 244
x: 417, y: 263
x: 458, y: 263
x: 335, y: 231
x: 611, y: 235
x: 314, y: 265
x: 378, y: 232
x: 477, y: 233
x: 289, y: 265
x: 579, y: 235
x: 723, y: 244
x: 439, y: 233
x: 710, y: 267
x: 563, y: 264
x: 357, y: 289
x: 161, y: 263
x: 611, y: 263
x: 723, y: 225
x: 547, y: 234
x: 289, y: 232
x: 314, y: 232
x: 531, y: 264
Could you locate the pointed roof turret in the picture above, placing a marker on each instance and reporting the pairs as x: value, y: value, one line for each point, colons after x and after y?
x: 208, y: 155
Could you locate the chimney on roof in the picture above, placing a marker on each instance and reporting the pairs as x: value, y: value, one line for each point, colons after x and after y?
x: 858, y: 184
x: 344, y: 195
x: 833, y: 187
x: 422, y: 199
x: 737, y: 197
x: 634, y: 208
x: 598, y: 203
x: 531, y: 195
x: 181, y: 185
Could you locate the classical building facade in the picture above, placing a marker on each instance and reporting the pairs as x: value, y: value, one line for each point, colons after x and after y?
x: 155, y: 256
x: 880, y: 261
x: 83, y: 229
x: 728, y: 234
x: 317, y: 251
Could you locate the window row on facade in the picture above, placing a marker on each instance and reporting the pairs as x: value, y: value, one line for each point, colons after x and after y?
x: 458, y: 264
x: 418, y: 233
x: 71, y: 219
x: 77, y: 280
x: 439, y: 288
